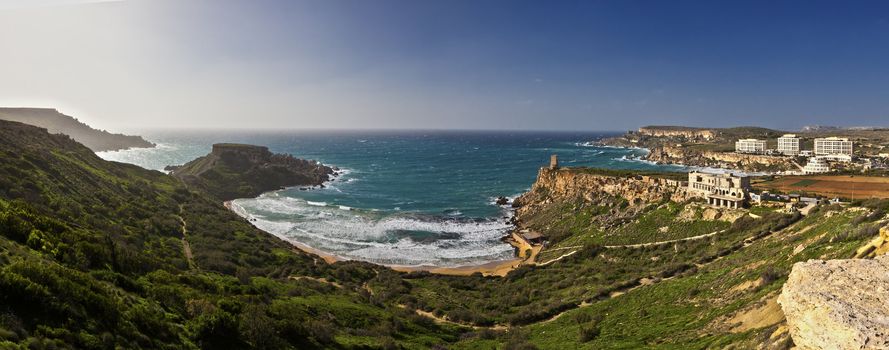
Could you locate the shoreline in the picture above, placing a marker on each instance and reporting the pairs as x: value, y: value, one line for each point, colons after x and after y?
x: 491, y: 268
x: 704, y: 169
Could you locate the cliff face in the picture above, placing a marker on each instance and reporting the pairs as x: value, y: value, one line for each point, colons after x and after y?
x: 58, y: 123
x: 679, y: 155
x: 237, y: 171
x: 624, y: 194
x: 564, y: 184
x: 838, y: 304
x: 674, y: 131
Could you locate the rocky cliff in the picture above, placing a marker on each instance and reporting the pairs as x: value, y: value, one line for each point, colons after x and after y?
x: 753, y: 162
x: 238, y: 171
x: 838, y: 304
x: 592, y: 184
x: 678, y: 131
x: 625, y: 194
x: 58, y: 123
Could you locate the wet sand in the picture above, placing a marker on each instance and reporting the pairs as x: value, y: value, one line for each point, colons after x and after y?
x: 494, y: 268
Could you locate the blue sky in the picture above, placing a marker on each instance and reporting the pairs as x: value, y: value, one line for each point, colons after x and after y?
x: 554, y: 65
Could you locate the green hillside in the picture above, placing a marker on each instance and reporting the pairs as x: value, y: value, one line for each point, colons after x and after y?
x: 102, y: 255
x: 58, y: 123
x: 94, y: 256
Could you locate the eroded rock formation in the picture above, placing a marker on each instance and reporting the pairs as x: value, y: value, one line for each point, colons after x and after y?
x: 838, y: 304
x: 570, y: 183
x: 680, y: 155
x: 678, y: 131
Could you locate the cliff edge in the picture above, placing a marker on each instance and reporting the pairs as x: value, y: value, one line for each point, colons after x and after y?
x: 238, y: 171
x: 58, y: 123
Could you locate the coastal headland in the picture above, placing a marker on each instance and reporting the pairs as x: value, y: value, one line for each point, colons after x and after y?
x: 94, y: 249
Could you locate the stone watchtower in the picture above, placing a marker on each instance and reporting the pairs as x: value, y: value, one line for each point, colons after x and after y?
x: 554, y: 162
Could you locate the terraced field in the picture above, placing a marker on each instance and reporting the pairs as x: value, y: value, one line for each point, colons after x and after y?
x: 843, y: 186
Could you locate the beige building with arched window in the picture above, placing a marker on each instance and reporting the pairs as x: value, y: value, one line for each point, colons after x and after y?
x: 721, y: 190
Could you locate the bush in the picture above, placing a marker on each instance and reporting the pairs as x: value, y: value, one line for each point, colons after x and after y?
x: 769, y: 275
x: 588, y: 333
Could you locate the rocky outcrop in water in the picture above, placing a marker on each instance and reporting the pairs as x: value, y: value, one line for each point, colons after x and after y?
x: 58, y: 123
x: 838, y: 304
x: 239, y: 171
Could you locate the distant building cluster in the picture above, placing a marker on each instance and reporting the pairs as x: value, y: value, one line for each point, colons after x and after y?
x: 826, y: 149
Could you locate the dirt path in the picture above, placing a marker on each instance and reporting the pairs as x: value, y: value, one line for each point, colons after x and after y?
x: 445, y: 320
x: 640, y: 245
x: 322, y: 280
x: 647, y: 281
x: 557, y: 259
x: 186, y: 248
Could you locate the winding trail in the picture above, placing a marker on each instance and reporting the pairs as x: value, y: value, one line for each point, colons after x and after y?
x: 641, y: 245
x: 186, y: 248
x: 619, y: 290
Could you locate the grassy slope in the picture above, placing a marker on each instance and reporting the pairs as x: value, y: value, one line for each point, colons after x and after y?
x: 92, y: 257
x: 689, y: 292
x: 693, y: 310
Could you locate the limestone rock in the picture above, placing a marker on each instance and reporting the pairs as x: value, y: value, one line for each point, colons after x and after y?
x: 838, y: 304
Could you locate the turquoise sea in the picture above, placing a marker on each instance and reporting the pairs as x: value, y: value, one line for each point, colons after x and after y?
x: 405, y: 197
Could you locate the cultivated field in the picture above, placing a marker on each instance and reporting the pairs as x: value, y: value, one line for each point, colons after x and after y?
x: 844, y: 186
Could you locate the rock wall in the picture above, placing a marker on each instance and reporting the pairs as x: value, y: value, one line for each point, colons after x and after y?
x: 877, y: 246
x: 568, y: 184
x: 679, y: 155
x: 838, y: 304
x: 677, y: 132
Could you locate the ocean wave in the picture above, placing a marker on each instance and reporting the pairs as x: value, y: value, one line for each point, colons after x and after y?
x: 453, y: 212
x: 400, y: 238
x: 635, y: 159
x: 317, y: 204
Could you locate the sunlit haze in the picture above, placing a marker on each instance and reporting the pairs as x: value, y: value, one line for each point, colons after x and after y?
x: 586, y: 65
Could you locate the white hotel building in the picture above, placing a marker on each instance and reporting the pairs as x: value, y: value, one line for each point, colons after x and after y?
x: 833, y: 146
x: 788, y: 144
x: 750, y: 146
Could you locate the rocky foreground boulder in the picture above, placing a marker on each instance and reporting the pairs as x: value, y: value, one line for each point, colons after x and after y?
x: 838, y: 304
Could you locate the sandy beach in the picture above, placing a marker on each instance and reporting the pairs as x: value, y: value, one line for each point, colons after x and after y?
x: 493, y: 268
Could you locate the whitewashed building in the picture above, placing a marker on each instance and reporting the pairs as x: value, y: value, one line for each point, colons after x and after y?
x: 833, y: 145
x: 750, y: 146
x: 816, y: 165
x: 788, y: 144
x: 721, y: 190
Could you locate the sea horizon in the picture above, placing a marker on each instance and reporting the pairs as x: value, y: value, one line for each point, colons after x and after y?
x: 410, y: 198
